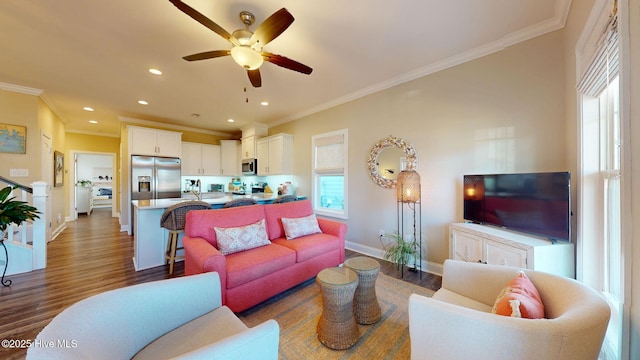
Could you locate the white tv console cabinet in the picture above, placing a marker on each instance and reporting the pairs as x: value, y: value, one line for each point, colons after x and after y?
x: 491, y: 245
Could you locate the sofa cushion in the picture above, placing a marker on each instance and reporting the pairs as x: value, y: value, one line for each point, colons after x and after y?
x: 300, y: 226
x: 310, y: 246
x: 519, y: 298
x: 200, y: 223
x: 253, y: 264
x: 209, y: 328
x: 234, y: 239
x: 275, y: 212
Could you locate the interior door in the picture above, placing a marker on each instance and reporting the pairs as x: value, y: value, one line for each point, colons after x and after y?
x: 46, y: 174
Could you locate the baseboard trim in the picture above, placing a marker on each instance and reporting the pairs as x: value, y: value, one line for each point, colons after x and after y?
x: 58, y: 231
x: 427, y: 266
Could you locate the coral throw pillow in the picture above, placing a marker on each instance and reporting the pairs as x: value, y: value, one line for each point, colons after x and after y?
x: 235, y: 239
x: 519, y: 298
x: 297, y: 227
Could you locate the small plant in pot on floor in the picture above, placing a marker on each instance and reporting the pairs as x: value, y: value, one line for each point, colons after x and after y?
x: 400, y: 251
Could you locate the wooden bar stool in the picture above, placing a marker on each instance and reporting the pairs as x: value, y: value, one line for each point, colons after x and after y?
x: 173, y: 219
x: 239, y: 202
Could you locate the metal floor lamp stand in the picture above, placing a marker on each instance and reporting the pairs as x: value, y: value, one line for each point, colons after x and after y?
x: 415, y: 209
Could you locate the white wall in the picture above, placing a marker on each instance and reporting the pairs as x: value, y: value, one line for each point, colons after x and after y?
x: 90, y: 166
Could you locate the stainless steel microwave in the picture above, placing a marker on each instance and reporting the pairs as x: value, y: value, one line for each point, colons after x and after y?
x: 249, y: 166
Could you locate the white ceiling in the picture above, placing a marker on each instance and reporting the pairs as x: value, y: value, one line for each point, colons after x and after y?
x: 96, y: 53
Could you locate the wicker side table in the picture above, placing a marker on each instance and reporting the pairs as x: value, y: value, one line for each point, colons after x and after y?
x: 365, y: 303
x: 337, y: 328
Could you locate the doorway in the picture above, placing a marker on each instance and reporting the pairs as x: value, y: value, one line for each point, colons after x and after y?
x: 94, y: 178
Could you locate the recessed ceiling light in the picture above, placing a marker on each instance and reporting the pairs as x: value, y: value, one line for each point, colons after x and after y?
x: 230, y: 120
x: 143, y: 102
x: 87, y: 108
x: 93, y: 121
x: 195, y: 115
x: 264, y: 103
x: 155, y: 71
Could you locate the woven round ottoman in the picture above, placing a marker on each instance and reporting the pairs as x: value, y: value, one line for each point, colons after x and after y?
x: 337, y: 328
x: 365, y: 302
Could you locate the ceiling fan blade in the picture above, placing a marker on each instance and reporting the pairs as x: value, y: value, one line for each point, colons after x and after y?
x: 272, y: 27
x: 254, y: 77
x: 286, y: 63
x: 202, y: 19
x: 207, y: 55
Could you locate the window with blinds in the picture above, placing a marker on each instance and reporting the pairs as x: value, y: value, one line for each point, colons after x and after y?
x: 600, y: 225
x: 330, y: 173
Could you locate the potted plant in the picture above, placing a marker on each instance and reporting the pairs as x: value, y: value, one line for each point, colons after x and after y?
x: 84, y: 183
x: 400, y: 251
x: 12, y: 212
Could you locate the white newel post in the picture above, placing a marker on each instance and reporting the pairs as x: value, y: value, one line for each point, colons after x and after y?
x: 40, y: 225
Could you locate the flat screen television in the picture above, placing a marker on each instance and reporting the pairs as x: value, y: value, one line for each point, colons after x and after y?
x: 534, y: 203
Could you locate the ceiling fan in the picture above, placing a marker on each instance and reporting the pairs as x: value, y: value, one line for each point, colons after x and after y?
x: 247, y: 48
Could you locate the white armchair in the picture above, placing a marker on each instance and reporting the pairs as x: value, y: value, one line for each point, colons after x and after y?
x: 179, y: 318
x: 457, y: 323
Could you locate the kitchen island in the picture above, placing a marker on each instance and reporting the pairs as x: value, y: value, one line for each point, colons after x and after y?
x: 150, y: 240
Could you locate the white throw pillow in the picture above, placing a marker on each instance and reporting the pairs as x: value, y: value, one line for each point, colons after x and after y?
x: 297, y: 227
x: 236, y: 239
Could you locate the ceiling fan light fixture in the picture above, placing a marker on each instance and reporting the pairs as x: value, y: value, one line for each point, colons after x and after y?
x: 246, y: 57
x: 243, y: 36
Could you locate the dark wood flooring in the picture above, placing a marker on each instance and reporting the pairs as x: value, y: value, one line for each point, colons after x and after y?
x: 92, y: 256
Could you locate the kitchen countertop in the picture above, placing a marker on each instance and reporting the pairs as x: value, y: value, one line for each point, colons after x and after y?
x: 150, y: 239
x: 211, y: 198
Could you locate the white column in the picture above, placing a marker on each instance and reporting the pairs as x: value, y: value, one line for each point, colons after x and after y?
x: 40, y: 225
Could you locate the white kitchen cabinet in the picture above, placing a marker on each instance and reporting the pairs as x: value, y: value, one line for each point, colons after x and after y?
x: 229, y: 161
x: 200, y: 159
x: 248, y: 147
x: 490, y: 245
x: 275, y: 155
x: 154, y: 142
x: 250, y: 135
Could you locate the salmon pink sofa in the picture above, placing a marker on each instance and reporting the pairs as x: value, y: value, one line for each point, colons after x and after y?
x: 214, y: 241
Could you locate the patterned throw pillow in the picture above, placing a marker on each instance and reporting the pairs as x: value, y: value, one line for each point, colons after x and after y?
x: 236, y: 239
x: 297, y: 227
x: 519, y: 298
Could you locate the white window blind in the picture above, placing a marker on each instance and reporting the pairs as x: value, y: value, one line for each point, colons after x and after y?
x: 605, y: 64
x: 329, y: 152
x: 330, y: 173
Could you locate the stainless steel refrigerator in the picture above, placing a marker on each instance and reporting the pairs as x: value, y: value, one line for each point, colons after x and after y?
x: 155, y: 177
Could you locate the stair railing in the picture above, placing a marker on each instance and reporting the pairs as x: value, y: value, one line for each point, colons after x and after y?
x: 37, y: 236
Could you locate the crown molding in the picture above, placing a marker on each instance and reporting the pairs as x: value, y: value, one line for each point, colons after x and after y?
x: 20, y: 89
x: 558, y: 21
x: 93, y: 133
x: 134, y: 121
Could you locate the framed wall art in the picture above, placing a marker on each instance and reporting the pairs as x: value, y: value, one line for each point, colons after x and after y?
x: 58, y: 168
x: 13, y: 139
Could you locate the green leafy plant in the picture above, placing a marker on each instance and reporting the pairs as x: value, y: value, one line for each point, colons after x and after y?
x: 14, y: 211
x: 85, y: 183
x: 400, y: 251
